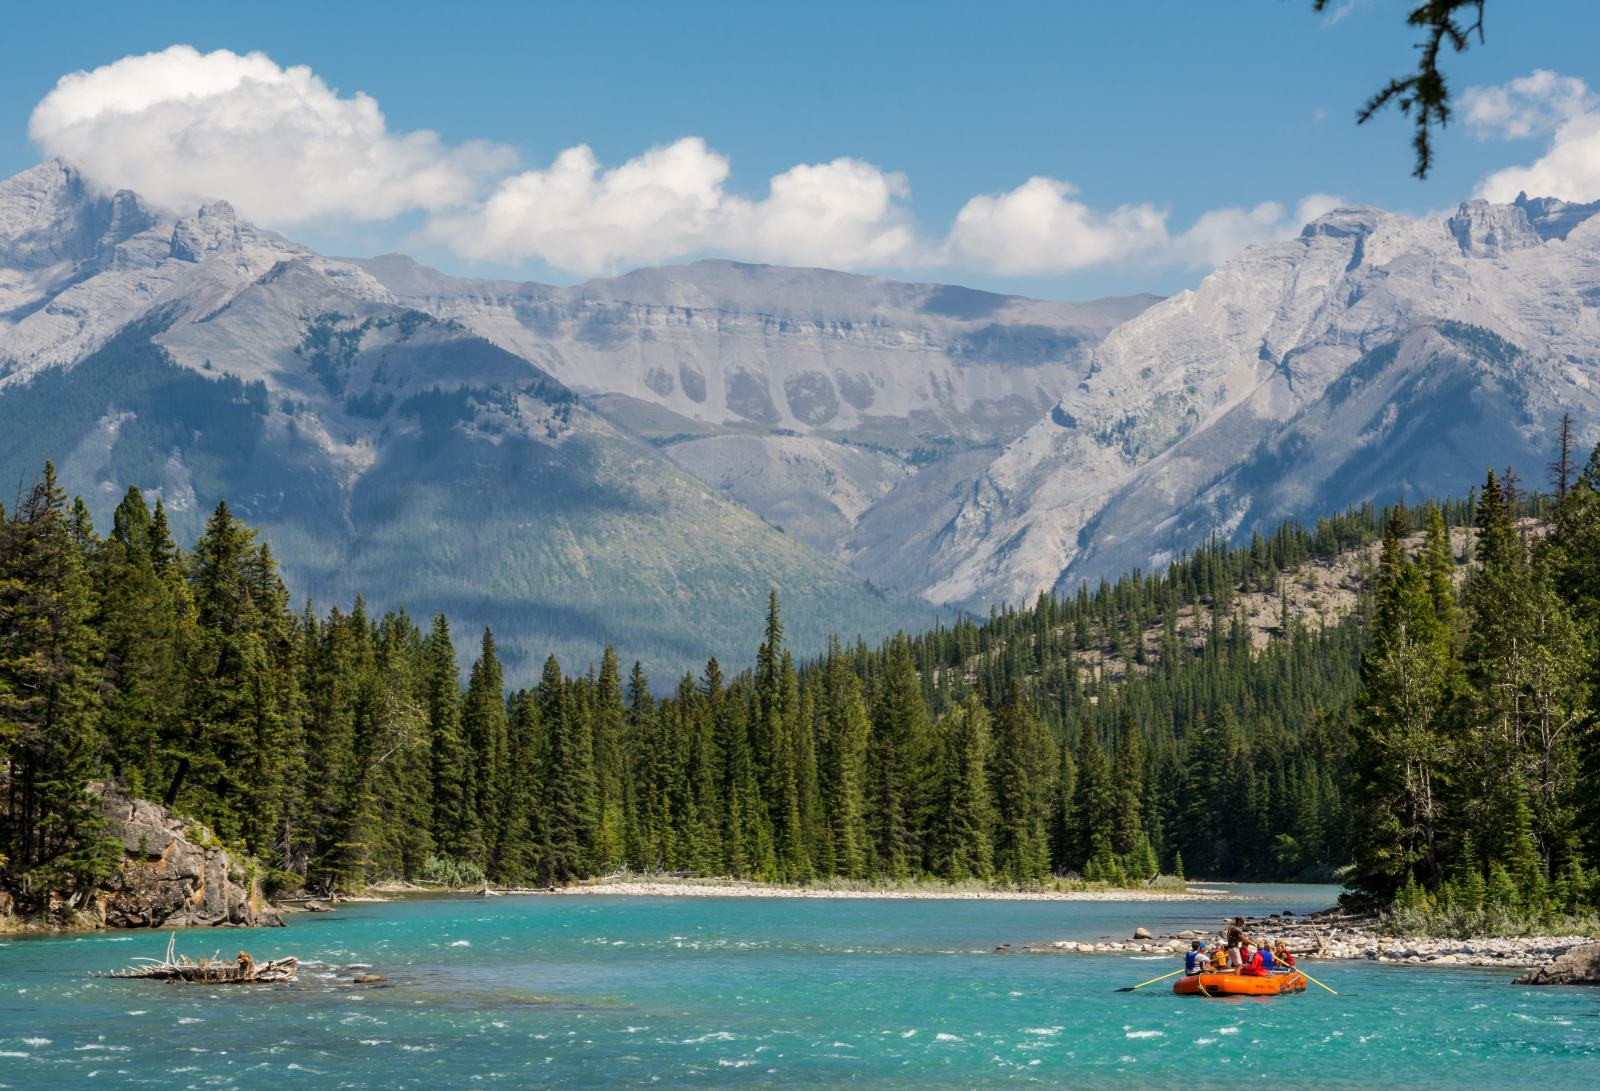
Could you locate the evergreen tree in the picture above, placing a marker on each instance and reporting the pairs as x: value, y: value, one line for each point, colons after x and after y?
x: 1021, y: 851
x: 896, y: 749
x: 52, y: 833
x: 571, y: 811
x: 484, y: 726
x: 608, y: 764
x: 451, y: 790
x: 961, y: 843
x: 843, y: 732
x: 1095, y: 809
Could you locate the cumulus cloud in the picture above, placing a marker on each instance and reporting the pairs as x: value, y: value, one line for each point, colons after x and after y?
x: 182, y: 127
x: 1041, y: 227
x: 1532, y: 105
x: 1542, y: 103
x: 1222, y: 233
x: 671, y: 202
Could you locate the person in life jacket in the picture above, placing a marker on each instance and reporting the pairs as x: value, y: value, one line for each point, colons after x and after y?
x: 1264, y: 957
x: 1219, y: 958
x: 1282, y: 956
x: 1250, y: 956
x: 1195, y: 961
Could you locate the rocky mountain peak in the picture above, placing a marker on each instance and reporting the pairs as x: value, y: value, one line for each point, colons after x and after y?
x: 1552, y: 217
x: 49, y: 216
x: 214, y: 227
x: 1345, y: 222
x: 1488, y: 230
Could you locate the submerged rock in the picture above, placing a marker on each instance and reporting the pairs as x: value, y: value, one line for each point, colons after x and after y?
x: 1579, y: 966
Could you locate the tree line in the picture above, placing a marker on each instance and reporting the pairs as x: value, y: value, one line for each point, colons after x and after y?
x: 1114, y: 733
x: 1472, y: 781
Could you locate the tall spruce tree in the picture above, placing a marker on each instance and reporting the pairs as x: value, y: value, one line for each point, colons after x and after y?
x: 52, y: 833
x: 483, y: 724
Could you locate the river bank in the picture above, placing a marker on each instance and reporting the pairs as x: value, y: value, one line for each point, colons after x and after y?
x: 1336, y: 935
x: 730, y: 888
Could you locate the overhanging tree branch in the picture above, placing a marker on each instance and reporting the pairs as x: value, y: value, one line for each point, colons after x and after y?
x: 1424, y: 95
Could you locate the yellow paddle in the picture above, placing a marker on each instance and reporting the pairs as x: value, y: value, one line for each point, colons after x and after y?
x: 1152, y: 981
x: 1313, y: 980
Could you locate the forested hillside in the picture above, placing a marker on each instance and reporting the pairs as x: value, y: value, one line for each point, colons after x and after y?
x: 1148, y: 725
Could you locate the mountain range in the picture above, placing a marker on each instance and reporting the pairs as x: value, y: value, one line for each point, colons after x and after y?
x: 639, y: 459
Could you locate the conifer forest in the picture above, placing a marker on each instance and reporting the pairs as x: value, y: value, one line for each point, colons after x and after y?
x: 1430, y: 747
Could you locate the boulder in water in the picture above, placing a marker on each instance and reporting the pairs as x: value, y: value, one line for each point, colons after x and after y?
x: 1142, y: 933
x: 1579, y: 966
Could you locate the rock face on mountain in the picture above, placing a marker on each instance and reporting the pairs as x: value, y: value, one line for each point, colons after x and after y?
x: 76, y: 266
x: 807, y: 350
x: 383, y: 450
x: 805, y: 394
x: 1371, y: 356
x: 174, y: 874
x: 638, y: 459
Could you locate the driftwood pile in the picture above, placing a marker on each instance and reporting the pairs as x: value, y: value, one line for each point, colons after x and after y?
x: 210, y: 971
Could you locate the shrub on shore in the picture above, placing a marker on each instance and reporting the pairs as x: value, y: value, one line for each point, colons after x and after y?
x: 1473, y: 906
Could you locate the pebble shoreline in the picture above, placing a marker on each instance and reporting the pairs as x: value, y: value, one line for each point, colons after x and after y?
x: 1332, y: 936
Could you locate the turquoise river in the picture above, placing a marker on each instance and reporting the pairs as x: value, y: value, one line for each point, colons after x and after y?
x: 750, y: 992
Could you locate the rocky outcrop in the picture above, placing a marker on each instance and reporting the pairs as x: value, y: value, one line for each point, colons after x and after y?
x: 174, y: 873
x: 1486, y: 230
x: 1579, y: 966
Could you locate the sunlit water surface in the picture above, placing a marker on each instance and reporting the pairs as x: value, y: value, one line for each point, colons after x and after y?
x: 695, y: 992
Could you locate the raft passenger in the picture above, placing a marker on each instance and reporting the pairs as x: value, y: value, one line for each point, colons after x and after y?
x: 1195, y: 961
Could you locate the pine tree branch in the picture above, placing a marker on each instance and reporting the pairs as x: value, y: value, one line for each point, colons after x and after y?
x: 1424, y: 95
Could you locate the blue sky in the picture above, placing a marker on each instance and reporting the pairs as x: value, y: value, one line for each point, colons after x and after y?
x: 1164, y: 110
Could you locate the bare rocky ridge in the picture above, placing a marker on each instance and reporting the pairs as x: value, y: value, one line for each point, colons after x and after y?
x: 381, y: 449
x: 1375, y: 354
x: 959, y: 446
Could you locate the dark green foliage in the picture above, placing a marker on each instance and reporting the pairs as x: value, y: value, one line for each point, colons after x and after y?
x: 1477, y: 727
x: 1436, y: 740
x: 50, y: 833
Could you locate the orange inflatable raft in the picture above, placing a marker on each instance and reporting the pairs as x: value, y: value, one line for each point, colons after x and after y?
x: 1240, y: 984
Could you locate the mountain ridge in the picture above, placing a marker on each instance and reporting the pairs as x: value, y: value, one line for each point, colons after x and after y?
x: 932, y: 441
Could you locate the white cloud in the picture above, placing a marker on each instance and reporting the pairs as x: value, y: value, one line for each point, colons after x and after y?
x: 182, y: 127
x: 1539, y: 104
x: 1040, y: 228
x: 1222, y: 233
x: 1532, y: 105
x: 671, y: 203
